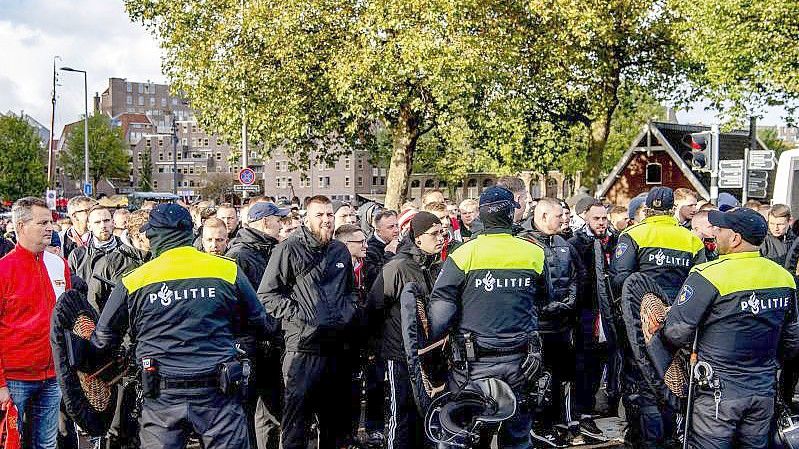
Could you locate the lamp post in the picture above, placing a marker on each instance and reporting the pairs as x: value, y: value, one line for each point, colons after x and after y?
x: 85, y: 125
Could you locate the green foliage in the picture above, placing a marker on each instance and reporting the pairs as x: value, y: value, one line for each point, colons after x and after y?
x: 216, y: 186
x: 146, y: 171
x: 743, y: 53
x: 22, y: 170
x: 107, y: 155
x: 771, y: 139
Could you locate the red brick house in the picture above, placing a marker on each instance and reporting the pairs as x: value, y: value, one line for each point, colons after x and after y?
x: 661, y: 156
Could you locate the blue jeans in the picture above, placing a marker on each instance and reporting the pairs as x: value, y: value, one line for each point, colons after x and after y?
x: 41, y: 398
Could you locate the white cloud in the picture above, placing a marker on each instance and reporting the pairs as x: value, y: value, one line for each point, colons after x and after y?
x: 92, y: 35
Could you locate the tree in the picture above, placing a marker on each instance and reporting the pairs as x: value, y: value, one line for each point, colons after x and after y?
x: 22, y: 171
x: 319, y: 76
x: 771, y: 139
x: 107, y: 156
x: 216, y: 187
x: 743, y: 54
x: 595, y: 49
x: 146, y: 170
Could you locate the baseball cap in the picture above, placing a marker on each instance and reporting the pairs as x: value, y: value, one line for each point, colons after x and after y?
x: 660, y: 198
x: 495, y: 195
x: 750, y: 224
x: 726, y: 202
x: 583, y: 204
x: 260, y: 210
x: 170, y: 216
x: 635, y: 203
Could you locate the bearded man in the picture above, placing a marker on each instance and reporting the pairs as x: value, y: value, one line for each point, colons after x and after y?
x: 308, y: 285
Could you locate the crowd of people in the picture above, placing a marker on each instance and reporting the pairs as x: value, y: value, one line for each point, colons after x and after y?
x: 302, y: 304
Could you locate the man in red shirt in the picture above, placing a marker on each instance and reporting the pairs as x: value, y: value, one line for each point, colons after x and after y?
x: 30, y: 281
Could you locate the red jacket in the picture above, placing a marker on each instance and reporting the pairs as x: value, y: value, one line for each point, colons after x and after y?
x: 29, y: 286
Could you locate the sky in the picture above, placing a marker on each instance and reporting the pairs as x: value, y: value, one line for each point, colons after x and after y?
x: 97, y: 36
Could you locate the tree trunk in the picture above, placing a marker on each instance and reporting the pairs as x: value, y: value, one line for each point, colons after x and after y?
x: 598, y: 132
x: 404, y: 136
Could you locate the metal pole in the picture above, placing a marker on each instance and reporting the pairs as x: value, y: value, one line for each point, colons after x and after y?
x: 85, y: 130
x: 714, y: 170
x: 244, y: 145
x: 50, y: 153
x: 745, y: 189
x: 174, y: 155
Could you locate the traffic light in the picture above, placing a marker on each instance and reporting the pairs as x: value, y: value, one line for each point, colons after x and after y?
x: 702, y: 150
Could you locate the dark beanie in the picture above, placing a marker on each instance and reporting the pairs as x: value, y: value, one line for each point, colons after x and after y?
x: 422, y: 222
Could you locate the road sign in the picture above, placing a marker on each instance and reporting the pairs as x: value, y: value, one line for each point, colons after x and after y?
x: 87, y: 189
x: 247, y: 188
x: 247, y: 176
x: 51, y: 198
x: 761, y: 160
x: 731, y: 174
x: 758, y: 184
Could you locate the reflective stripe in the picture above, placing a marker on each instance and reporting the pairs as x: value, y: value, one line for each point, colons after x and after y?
x: 664, y: 232
x: 499, y: 252
x: 391, y: 427
x: 745, y: 271
x: 184, y: 262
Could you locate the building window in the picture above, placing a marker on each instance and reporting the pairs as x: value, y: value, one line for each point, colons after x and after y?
x: 428, y: 184
x: 129, y: 87
x: 129, y: 99
x: 141, y: 101
x: 152, y: 101
x: 415, y: 184
x: 488, y: 183
x: 141, y: 88
x: 346, y: 181
x: 324, y: 182
x: 346, y: 162
x: 654, y: 173
x: 360, y: 163
x: 163, y: 102
x: 281, y: 183
x: 160, y: 169
x: 205, y: 141
x: 160, y: 141
x: 218, y: 156
x: 360, y: 181
x: 155, y: 184
x: 161, y: 156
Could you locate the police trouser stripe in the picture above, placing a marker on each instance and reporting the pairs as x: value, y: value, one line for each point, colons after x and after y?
x: 568, y: 402
x: 391, y: 430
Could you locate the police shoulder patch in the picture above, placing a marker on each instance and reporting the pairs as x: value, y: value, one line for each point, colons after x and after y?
x: 685, y: 294
x: 621, y: 248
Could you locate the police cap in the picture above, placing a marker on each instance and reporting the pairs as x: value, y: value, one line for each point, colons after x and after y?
x: 168, y: 216
x: 496, y: 195
x: 660, y: 198
x: 750, y: 224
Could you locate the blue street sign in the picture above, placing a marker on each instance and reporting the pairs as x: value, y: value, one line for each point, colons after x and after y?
x: 247, y: 176
x: 87, y: 189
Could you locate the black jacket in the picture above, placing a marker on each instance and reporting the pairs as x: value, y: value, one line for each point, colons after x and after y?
x: 490, y: 287
x: 565, y: 272
x: 409, y: 265
x: 376, y: 258
x: 5, y: 246
x: 181, y: 308
x: 83, y: 259
x: 775, y: 248
x: 583, y: 243
x: 251, y: 251
x: 111, y: 268
x: 308, y: 286
x: 744, y: 307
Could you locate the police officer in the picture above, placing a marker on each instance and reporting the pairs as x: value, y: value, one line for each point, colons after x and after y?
x: 743, y: 307
x: 662, y: 249
x: 486, y: 297
x: 180, y: 307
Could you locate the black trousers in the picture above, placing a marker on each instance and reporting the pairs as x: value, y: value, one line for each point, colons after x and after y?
x: 404, y: 427
x: 589, y: 357
x: 559, y: 361
x: 320, y: 386
x: 218, y: 420
x: 742, y: 422
x: 265, y: 401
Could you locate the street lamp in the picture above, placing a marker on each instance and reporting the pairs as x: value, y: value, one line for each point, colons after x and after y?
x: 85, y: 126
